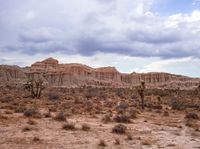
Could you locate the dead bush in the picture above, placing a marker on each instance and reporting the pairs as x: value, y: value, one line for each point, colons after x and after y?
x: 119, y: 129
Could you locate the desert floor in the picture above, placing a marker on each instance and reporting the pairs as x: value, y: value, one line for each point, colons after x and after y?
x: 149, y: 129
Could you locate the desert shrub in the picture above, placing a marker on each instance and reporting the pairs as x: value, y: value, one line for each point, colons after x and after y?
x: 102, y: 143
x: 53, y: 96
x: 85, y: 127
x: 60, y: 117
x: 32, y: 112
x: 191, y: 115
x: 106, y: 118
x: 20, y: 109
x: 122, y: 118
x: 122, y: 106
x: 69, y: 126
x: 119, y: 129
x: 176, y: 104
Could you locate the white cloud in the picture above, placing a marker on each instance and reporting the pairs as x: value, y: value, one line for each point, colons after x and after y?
x: 98, y: 32
x: 160, y: 65
x: 30, y: 15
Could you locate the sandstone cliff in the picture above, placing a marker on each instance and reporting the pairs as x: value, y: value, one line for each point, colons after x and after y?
x: 76, y: 75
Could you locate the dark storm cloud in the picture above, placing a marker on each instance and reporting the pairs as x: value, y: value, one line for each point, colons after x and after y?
x: 157, y: 37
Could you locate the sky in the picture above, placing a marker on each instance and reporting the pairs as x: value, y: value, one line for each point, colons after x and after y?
x: 131, y: 35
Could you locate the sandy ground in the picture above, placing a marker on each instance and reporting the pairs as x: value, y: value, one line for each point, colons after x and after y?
x: 151, y: 130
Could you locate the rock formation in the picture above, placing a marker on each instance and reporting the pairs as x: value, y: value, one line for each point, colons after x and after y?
x: 78, y: 75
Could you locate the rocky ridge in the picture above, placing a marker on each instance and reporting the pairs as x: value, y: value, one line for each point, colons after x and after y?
x: 78, y: 75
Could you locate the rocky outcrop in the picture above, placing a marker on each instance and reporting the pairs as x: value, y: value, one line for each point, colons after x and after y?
x: 11, y: 75
x: 76, y: 75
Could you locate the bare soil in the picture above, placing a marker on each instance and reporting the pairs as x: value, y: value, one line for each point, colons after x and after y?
x: 151, y: 129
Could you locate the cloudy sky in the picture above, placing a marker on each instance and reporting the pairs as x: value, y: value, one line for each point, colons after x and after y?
x: 132, y: 35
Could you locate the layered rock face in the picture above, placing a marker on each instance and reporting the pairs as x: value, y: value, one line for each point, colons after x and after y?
x: 11, y: 75
x: 78, y: 75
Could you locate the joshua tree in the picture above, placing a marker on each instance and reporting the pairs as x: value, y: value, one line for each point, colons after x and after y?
x: 35, y: 87
x: 141, y: 90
